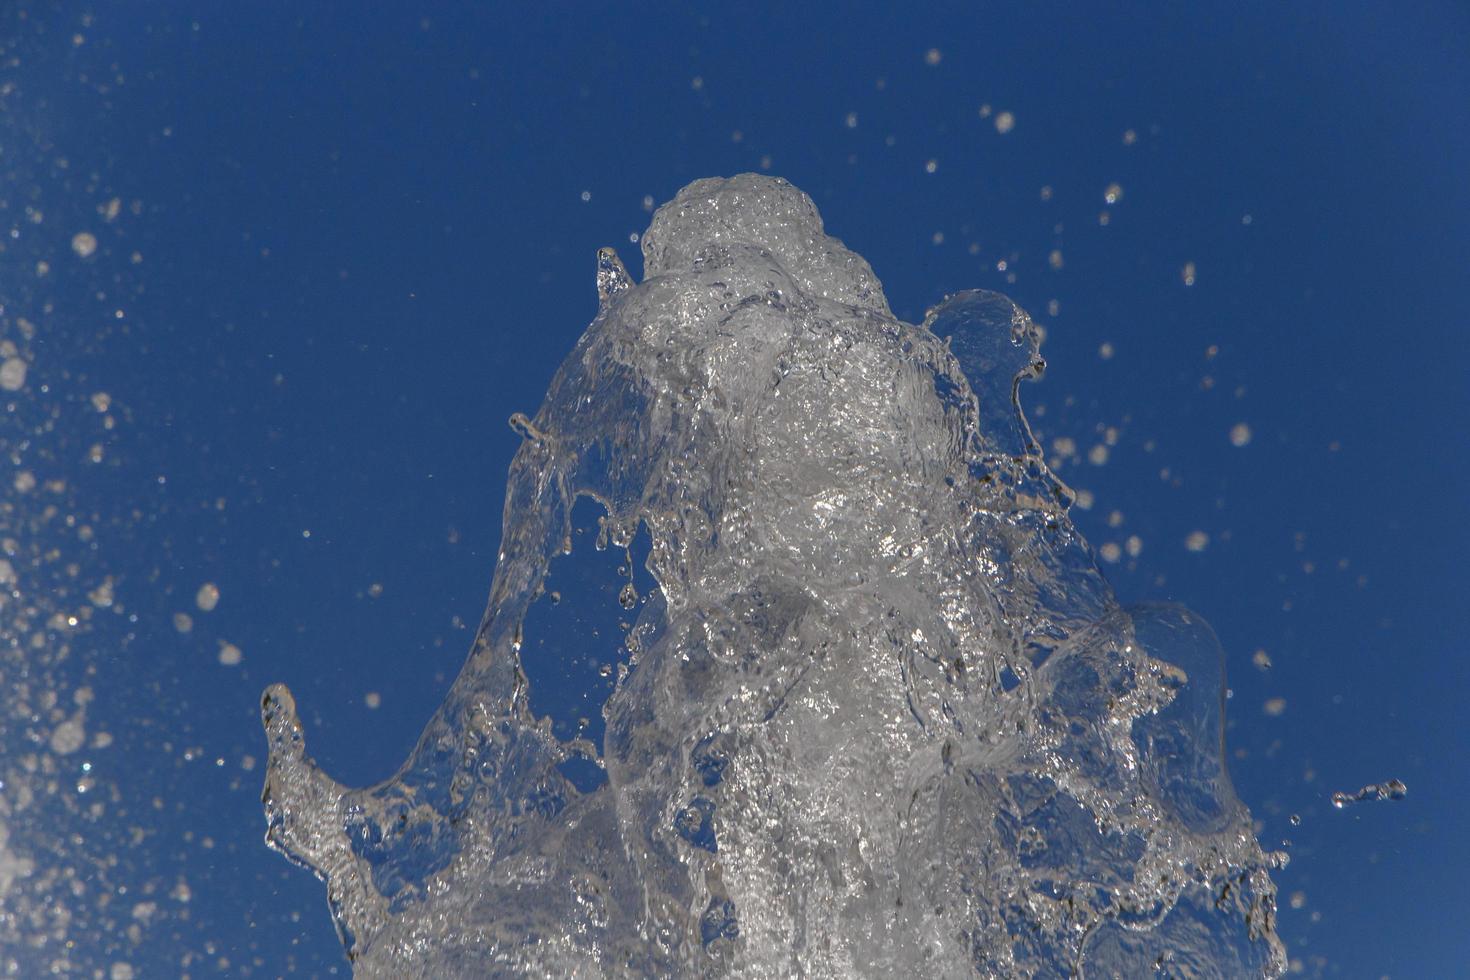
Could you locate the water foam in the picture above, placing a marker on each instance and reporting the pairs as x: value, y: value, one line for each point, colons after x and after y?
x: 879, y: 713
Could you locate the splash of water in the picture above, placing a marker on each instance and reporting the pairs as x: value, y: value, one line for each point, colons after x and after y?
x: 880, y: 714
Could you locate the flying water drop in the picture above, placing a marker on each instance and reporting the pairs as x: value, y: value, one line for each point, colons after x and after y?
x: 1393, y: 789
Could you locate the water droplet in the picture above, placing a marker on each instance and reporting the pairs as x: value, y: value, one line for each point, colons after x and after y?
x: 207, y: 597
x: 13, y: 374
x: 1393, y: 789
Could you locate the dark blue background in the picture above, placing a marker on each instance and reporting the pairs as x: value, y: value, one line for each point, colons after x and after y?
x: 365, y: 244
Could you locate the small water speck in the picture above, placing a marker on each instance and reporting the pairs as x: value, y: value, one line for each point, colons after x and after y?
x: 207, y: 597
x: 69, y: 736
x: 13, y: 374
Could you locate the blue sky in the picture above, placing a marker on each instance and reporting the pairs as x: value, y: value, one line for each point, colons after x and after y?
x: 364, y: 240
